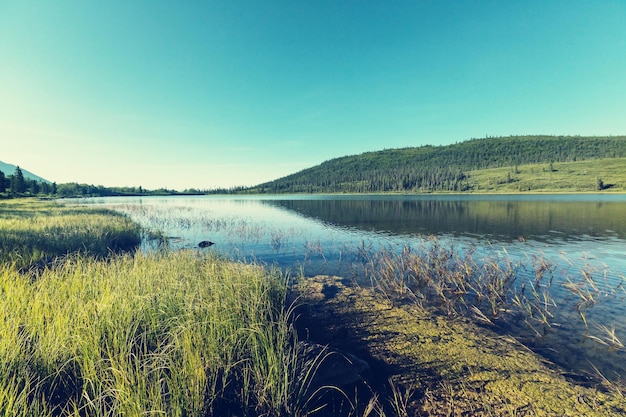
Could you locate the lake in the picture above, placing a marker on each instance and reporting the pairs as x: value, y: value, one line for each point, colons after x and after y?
x: 580, y: 235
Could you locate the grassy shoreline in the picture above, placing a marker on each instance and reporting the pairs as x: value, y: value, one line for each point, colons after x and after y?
x: 34, y: 230
x: 175, y: 333
x: 185, y: 333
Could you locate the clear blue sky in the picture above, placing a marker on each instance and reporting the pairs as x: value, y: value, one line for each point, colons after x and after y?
x: 203, y: 94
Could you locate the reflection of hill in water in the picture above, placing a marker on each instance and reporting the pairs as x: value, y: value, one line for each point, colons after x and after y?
x: 500, y: 219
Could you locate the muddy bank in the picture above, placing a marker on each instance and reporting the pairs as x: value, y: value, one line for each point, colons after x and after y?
x: 441, y: 366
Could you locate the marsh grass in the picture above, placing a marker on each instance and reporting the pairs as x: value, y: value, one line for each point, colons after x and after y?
x: 159, y: 334
x: 104, y: 331
x: 496, y: 291
x: 493, y: 290
x: 33, y: 230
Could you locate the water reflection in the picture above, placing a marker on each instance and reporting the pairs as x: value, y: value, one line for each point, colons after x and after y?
x: 540, y: 220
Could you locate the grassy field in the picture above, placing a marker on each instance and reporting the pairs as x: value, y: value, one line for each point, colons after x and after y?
x: 32, y: 230
x: 558, y: 177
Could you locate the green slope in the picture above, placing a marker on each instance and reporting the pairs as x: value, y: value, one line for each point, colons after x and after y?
x: 504, y: 164
x: 579, y: 176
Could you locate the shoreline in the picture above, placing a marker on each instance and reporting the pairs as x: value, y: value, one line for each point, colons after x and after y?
x: 394, y: 194
x: 451, y: 366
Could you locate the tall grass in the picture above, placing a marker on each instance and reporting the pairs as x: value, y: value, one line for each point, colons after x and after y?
x: 102, y: 331
x: 163, y: 334
x: 493, y: 290
x: 31, y: 230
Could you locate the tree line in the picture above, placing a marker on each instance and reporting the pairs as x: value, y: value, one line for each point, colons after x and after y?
x: 440, y: 168
x: 17, y: 185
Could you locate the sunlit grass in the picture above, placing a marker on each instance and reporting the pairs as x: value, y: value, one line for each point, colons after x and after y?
x: 581, y: 176
x: 188, y: 334
x: 31, y: 230
x: 166, y: 334
x: 103, y: 330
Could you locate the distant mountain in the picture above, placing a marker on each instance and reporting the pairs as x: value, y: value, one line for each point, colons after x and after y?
x: 9, y: 169
x: 440, y: 168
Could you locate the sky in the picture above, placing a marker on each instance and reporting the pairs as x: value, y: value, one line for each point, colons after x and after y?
x: 206, y: 94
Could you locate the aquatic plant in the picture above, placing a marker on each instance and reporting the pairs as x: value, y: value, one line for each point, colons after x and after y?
x: 491, y: 289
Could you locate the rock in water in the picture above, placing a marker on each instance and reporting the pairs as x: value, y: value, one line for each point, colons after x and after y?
x: 205, y: 244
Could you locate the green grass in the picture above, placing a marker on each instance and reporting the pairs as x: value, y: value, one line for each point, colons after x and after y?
x: 173, y: 333
x: 163, y: 334
x: 498, y: 291
x: 564, y: 177
x: 103, y: 332
x: 31, y: 230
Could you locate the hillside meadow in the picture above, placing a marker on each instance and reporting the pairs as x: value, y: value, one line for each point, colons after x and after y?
x: 581, y: 176
x: 449, y: 168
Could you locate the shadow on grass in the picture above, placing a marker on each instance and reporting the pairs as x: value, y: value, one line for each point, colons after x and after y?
x: 34, y: 233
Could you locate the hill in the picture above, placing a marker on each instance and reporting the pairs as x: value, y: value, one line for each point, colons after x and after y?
x: 450, y: 168
x: 9, y: 169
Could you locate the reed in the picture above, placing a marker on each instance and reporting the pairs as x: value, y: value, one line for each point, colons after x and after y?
x: 103, y: 332
x: 492, y: 289
x: 169, y: 333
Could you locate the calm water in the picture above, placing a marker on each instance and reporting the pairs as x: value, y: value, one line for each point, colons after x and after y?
x: 325, y: 234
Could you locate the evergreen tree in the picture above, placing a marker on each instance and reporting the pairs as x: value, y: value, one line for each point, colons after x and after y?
x: 3, y: 182
x: 18, y: 184
x: 34, y: 187
x: 443, y: 168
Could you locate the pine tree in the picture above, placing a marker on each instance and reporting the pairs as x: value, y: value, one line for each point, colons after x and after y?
x: 3, y: 182
x: 18, y: 184
x: 34, y: 187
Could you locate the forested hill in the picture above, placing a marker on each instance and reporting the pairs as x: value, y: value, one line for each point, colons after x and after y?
x: 441, y: 168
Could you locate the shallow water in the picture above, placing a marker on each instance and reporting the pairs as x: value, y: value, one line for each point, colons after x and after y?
x: 330, y: 234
